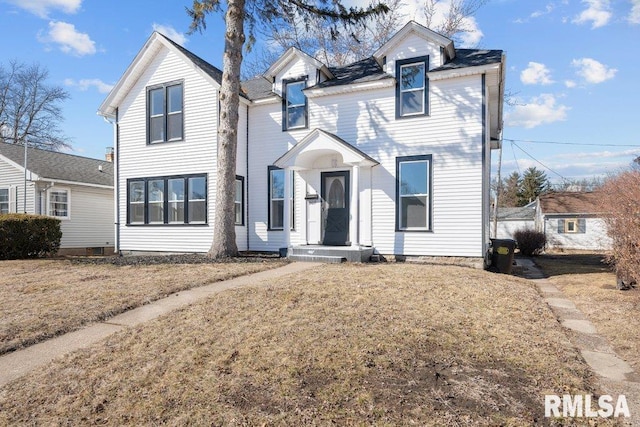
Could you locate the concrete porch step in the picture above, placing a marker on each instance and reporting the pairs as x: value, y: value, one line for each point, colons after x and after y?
x: 347, y: 253
x: 328, y: 259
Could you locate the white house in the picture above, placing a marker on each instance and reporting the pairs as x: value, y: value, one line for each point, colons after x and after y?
x: 77, y: 190
x: 572, y: 220
x: 390, y: 153
x: 511, y: 220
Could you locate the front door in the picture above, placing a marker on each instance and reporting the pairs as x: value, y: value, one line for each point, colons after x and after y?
x: 335, y: 208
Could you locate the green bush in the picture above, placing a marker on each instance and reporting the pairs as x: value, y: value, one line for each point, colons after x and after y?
x: 530, y: 242
x: 28, y: 236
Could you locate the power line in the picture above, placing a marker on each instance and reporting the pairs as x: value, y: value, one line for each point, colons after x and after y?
x: 538, y: 161
x: 572, y: 143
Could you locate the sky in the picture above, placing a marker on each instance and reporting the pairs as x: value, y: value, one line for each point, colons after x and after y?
x: 573, y: 94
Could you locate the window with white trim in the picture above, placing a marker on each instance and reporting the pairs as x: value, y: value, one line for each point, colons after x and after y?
x: 58, y: 203
x: 167, y: 200
x: 276, y: 198
x: 413, y: 193
x: 412, y: 87
x: 239, y: 201
x: 294, y: 104
x: 4, y: 201
x: 165, y: 115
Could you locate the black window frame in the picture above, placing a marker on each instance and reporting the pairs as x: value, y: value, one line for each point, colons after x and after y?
x: 165, y: 87
x: 293, y: 211
x: 166, y: 201
x: 402, y: 159
x: 405, y: 62
x: 242, y: 201
x: 285, y: 110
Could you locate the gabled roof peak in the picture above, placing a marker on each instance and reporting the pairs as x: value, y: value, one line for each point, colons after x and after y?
x: 289, y: 55
x: 421, y: 30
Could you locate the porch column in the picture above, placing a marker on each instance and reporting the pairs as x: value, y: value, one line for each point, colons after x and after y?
x: 286, y: 215
x: 354, y: 222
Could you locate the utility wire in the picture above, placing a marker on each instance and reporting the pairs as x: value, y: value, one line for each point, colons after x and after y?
x: 571, y: 143
x: 538, y: 161
x: 515, y: 159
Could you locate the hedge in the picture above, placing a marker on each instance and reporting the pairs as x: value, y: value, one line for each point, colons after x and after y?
x: 28, y: 236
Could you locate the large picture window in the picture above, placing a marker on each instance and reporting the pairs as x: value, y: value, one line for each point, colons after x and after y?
x: 58, y: 203
x: 413, y: 193
x: 412, y: 87
x: 294, y: 114
x: 167, y: 200
x: 165, y: 118
x: 276, y: 199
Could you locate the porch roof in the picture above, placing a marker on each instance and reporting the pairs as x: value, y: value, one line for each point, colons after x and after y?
x: 320, y: 143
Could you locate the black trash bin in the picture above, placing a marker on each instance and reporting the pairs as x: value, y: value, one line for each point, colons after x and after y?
x: 503, y: 252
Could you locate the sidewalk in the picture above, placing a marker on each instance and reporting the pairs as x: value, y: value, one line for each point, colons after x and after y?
x: 18, y: 363
x: 616, y: 377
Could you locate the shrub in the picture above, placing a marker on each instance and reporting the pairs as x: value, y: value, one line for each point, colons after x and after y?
x: 28, y: 236
x: 530, y: 242
x: 620, y: 202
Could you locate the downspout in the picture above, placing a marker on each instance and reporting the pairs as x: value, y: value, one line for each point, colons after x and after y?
x: 247, y: 198
x: 485, y: 196
x: 116, y: 177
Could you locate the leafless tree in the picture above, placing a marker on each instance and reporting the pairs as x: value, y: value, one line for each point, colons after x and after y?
x: 450, y: 17
x: 30, y: 108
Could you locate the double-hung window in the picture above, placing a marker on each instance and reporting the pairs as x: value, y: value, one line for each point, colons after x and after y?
x: 294, y: 104
x: 58, y: 203
x: 412, y: 87
x: 165, y: 115
x: 239, y: 201
x: 276, y: 199
x: 4, y: 201
x: 167, y: 200
x: 413, y: 193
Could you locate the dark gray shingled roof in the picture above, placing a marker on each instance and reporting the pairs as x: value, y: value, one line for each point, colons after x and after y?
x: 60, y: 166
x: 214, y: 72
x: 521, y: 213
x: 257, y: 88
x: 471, y: 58
x: 366, y: 70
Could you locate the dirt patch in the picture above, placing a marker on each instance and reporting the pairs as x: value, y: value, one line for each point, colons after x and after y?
x: 391, y: 344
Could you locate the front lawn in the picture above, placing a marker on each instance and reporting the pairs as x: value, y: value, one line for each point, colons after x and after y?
x: 40, y: 299
x: 391, y: 344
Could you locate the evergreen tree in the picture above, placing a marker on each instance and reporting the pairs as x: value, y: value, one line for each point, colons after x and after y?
x: 510, y: 189
x: 534, y: 183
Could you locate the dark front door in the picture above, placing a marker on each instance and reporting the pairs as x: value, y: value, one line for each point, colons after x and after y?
x: 335, y: 208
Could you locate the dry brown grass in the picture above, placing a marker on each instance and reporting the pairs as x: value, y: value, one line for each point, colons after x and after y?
x: 43, y: 298
x: 348, y: 345
x: 591, y: 285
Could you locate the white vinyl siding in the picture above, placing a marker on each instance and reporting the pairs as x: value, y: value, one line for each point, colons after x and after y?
x: 590, y: 234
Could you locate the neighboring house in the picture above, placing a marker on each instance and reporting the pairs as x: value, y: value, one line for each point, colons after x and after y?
x: 572, y: 221
x: 511, y: 220
x: 391, y: 152
x: 77, y: 190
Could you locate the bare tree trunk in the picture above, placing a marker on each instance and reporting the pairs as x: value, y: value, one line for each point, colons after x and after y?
x: 224, y: 241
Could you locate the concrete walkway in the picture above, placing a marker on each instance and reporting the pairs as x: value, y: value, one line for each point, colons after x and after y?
x: 18, y: 363
x: 616, y: 376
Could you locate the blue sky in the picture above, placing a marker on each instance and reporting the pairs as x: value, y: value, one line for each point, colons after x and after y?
x: 572, y: 69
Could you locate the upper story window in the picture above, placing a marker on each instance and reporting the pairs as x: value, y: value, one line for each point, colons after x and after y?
x: 294, y: 104
x: 165, y: 115
x: 412, y: 87
x: 58, y: 203
x: 413, y: 193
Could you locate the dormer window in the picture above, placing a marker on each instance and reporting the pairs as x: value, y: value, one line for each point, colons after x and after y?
x: 165, y: 115
x: 412, y: 87
x: 294, y: 104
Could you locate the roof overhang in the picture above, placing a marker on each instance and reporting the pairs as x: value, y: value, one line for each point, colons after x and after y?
x: 291, y: 54
x: 347, y: 88
x: 424, y: 32
x: 319, y: 143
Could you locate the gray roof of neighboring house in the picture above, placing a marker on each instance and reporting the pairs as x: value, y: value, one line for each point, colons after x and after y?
x: 517, y: 214
x: 60, y: 166
x: 570, y: 203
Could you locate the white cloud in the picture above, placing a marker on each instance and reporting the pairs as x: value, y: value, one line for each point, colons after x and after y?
x: 85, y: 84
x: 570, y: 84
x: 634, y: 15
x: 547, y: 10
x: 540, y: 110
x: 536, y: 73
x: 600, y: 154
x: 42, y: 8
x: 69, y: 39
x: 593, y: 71
x: 598, y: 13
x: 170, y: 32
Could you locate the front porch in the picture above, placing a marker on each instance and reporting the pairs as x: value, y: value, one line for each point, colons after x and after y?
x: 330, y: 254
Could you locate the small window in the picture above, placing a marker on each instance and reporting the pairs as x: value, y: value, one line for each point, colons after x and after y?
x: 276, y: 198
x: 167, y: 200
x: 294, y: 105
x: 413, y: 193
x: 165, y: 120
x: 412, y: 87
x: 58, y: 204
x: 4, y: 200
x: 239, y: 201
x: 571, y: 226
